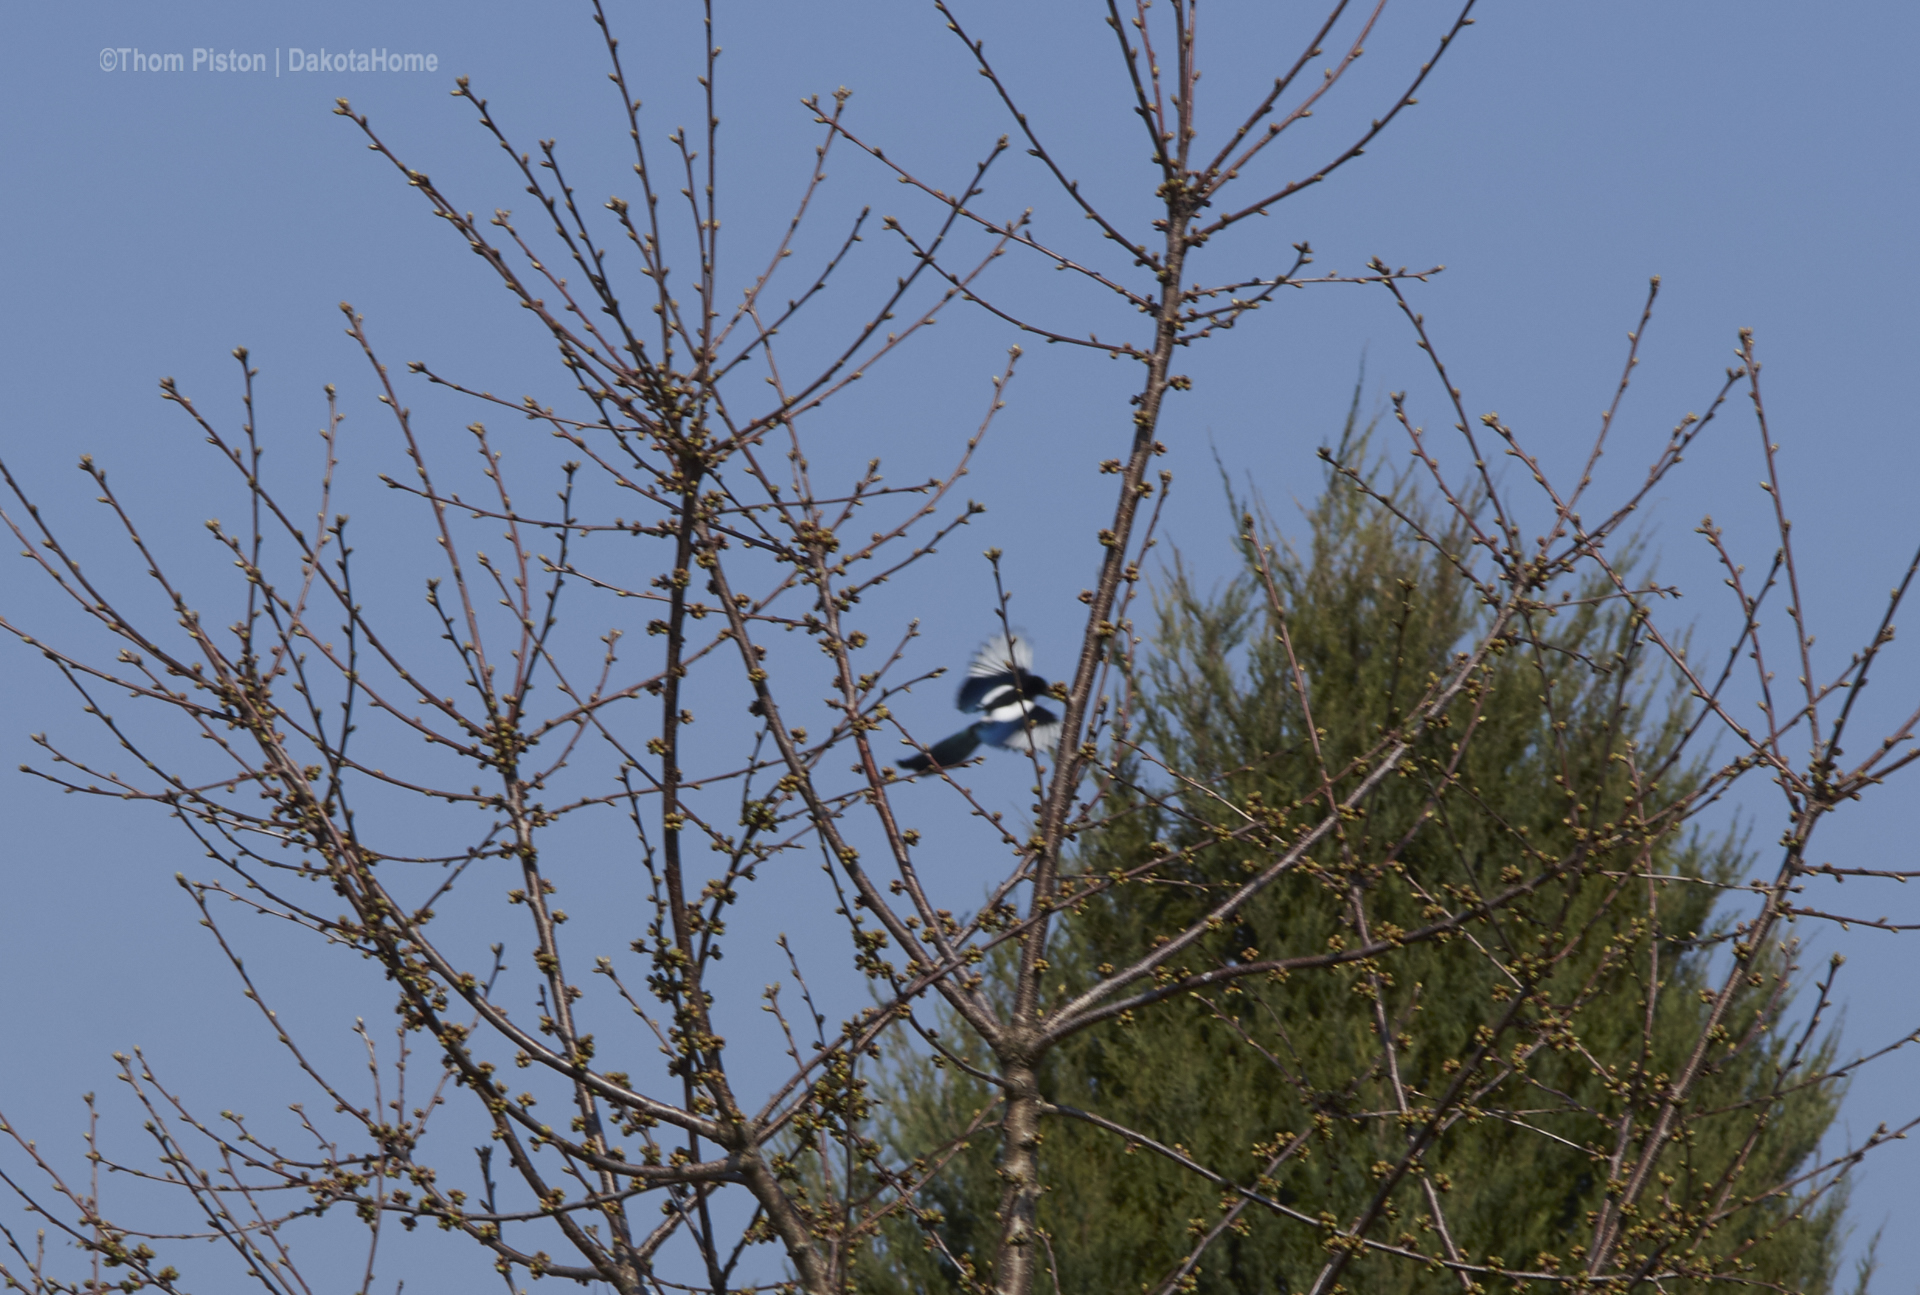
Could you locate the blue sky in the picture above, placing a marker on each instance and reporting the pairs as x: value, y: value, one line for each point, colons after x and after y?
x: 1761, y: 157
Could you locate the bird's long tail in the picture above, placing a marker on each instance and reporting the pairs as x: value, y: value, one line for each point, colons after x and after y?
x: 946, y: 753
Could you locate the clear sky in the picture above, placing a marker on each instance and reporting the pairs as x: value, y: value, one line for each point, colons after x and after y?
x: 1763, y: 157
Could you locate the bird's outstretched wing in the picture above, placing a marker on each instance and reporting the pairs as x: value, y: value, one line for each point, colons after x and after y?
x: 1001, y: 671
x: 1037, y: 730
x: 1001, y: 654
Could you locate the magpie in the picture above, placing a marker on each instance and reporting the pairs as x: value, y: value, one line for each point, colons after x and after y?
x: 1000, y: 687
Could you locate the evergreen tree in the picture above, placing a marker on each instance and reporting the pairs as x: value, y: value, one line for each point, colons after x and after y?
x: 1295, y: 1088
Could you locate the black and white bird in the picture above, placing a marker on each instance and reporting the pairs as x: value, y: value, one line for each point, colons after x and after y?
x: 1001, y: 688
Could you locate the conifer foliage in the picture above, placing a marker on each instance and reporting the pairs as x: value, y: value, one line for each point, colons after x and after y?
x: 1219, y: 1135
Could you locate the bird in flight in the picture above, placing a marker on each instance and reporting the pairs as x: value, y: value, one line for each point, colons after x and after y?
x: 1000, y: 687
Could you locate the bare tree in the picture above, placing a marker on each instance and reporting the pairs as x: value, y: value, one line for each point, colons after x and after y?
x: 684, y: 482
